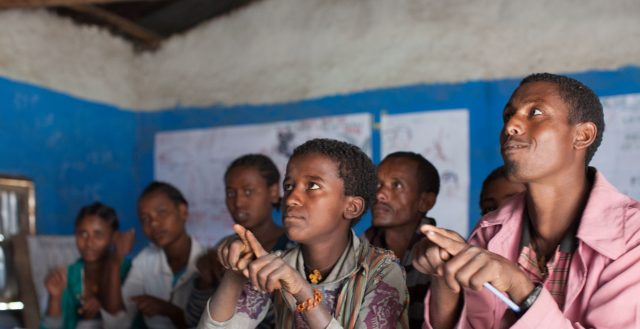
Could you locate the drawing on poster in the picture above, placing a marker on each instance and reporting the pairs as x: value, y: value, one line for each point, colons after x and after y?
x: 617, y: 157
x: 443, y: 138
x: 195, y: 160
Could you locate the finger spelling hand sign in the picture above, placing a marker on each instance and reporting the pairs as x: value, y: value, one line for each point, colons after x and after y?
x: 235, y: 254
x: 427, y: 256
x: 56, y: 281
x: 471, y: 267
x: 90, y: 307
x: 268, y: 272
x: 123, y: 242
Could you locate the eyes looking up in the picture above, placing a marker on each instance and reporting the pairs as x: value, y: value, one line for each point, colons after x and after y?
x: 288, y: 187
x: 510, y: 111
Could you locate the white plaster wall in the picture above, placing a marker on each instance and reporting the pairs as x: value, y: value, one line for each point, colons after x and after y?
x: 85, y: 61
x: 283, y: 50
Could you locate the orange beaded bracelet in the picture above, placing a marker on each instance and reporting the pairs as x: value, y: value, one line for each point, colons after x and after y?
x: 310, y: 303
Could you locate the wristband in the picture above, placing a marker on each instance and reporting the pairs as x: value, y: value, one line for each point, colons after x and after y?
x: 310, y: 303
x: 531, y: 298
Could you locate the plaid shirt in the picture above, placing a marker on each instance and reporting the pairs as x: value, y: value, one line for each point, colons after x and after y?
x: 555, y: 273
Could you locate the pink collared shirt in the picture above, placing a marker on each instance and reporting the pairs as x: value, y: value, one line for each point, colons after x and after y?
x: 603, y: 289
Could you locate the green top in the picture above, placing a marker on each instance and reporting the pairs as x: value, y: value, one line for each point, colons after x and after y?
x: 71, y: 296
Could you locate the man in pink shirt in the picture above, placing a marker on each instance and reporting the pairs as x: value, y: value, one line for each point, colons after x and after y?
x: 566, y: 250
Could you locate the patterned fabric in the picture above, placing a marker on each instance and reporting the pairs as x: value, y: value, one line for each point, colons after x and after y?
x: 329, y: 301
x: 198, y: 300
x: 417, y: 282
x: 252, y: 302
x: 383, y: 307
x: 366, y: 288
x: 555, y: 272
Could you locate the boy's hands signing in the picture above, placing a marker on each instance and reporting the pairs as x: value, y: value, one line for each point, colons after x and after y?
x: 235, y: 254
x: 269, y: 272
x: 123, y: 243
x: 90, y: 307
x: 56, y: 282
x: 266, y: 271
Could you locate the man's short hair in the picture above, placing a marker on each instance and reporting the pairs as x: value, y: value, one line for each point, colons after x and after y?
x: 427, y: 175
x: 496, y: 174
x: 584, y: 105
x: 355, y: 168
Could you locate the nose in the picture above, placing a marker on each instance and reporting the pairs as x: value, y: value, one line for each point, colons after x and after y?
x: 381, y: 194
x: 90, y: 241
x: 239, y: 200
x: 514, y: 126
x: 292, y: 198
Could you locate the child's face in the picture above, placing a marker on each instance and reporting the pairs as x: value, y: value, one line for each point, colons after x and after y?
x: 497, y: 191
x: 163, y: 221
x: 248, y: 197
x: 93, y: 237
x: 314, y: 202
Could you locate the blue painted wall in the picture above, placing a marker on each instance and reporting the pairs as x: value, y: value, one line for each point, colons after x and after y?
x: 75, y: 151
x: 484, y: 99
x: 78, y: 151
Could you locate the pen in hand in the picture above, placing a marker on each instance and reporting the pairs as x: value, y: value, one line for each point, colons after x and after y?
x: 515, y: 308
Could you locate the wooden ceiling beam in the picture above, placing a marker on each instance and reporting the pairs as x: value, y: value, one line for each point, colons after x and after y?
x: 149, y: 39
x: 10, y: 4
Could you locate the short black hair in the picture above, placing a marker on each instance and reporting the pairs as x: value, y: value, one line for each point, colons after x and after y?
x: 263, y: 163
x: 102, y: 211
x: 428, y: 176
x: 584, y: 104
x: 495, y: 174
x: 167, y: 189
x: 265, y: 166
x: 355, y: 168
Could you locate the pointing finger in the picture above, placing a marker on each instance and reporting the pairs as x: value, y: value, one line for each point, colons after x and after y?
x: 242, y: 233
x: 453, y: 247
x: 254, y: 244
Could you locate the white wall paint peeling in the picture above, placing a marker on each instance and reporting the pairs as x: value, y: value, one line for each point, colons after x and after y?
x: 283, y: 50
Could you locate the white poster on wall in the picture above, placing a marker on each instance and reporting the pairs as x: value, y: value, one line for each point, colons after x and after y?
x: 443, y: 138
x: 618, y: 157
x: 195, y: 160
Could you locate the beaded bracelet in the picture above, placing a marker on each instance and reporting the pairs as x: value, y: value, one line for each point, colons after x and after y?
x: 310, y: 303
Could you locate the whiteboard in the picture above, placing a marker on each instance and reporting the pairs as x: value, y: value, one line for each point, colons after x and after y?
x: 195, y: 160
x: 443, y: 138
x: 619, y: 154
x: 47, y: 252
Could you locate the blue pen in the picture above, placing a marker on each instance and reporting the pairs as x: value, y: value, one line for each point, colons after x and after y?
x: 515, y: 308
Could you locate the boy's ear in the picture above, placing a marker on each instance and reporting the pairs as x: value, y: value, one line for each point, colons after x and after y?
x: 585, y: 134
x: 183, y: 210
x: 354, y: 208
x: 426, y: 202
